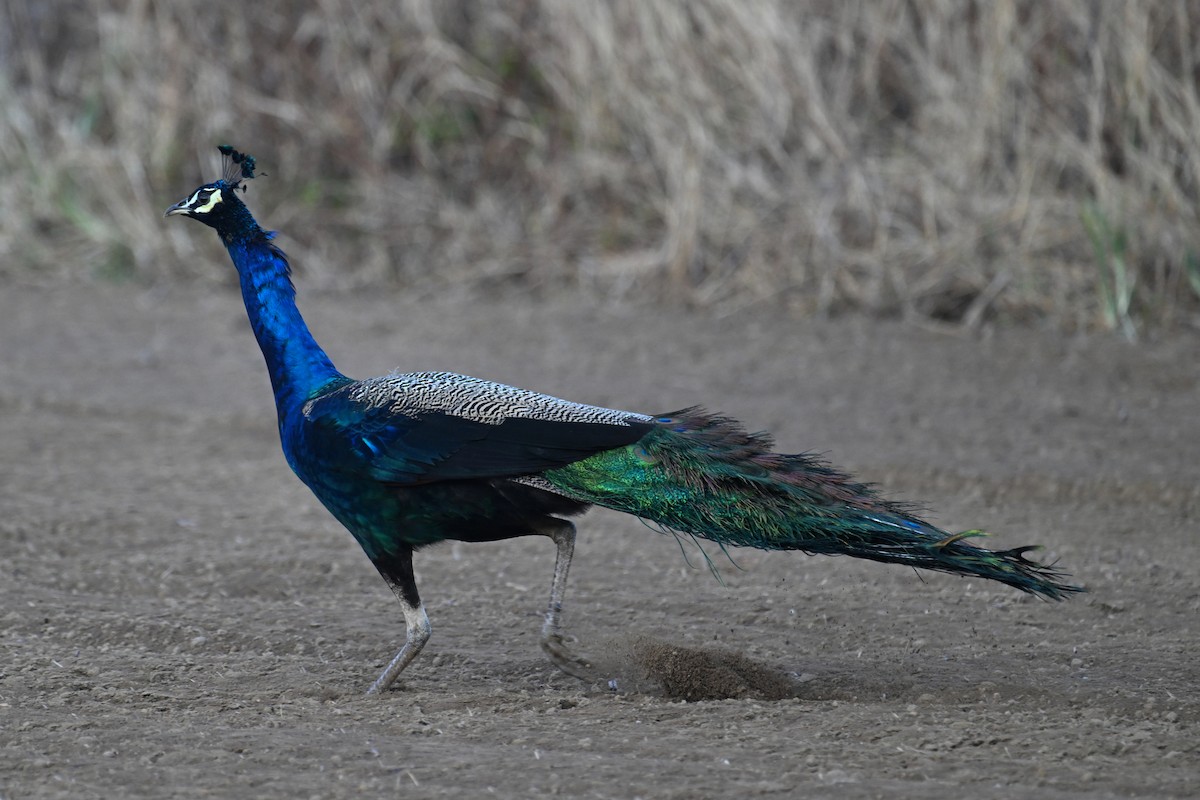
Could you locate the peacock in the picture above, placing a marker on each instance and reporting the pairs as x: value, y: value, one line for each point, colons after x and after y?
x: 407, y: 460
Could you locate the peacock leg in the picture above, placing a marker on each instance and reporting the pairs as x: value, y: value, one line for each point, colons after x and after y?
x: 397, y: 570
x: 552, y: 640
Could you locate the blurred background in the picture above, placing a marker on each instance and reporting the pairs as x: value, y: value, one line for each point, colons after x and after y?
x: 947, y: 161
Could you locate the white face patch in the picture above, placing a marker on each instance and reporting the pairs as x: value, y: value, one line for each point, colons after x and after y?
x: 213, y: 200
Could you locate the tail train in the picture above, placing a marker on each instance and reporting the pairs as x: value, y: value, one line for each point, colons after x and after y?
x: 704, y: 475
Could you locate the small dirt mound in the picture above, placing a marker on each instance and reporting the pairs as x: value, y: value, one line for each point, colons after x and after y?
x: 698, y: 673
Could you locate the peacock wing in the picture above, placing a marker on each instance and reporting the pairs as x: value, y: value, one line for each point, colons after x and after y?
x: 401, y: 429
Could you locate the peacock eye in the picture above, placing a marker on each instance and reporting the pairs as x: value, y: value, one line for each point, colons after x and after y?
x: 206, y: 200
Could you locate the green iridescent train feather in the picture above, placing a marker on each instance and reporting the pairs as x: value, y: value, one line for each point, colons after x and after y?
x: 703, y: 475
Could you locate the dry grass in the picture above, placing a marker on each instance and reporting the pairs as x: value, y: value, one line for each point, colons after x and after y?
x: 944, y: 158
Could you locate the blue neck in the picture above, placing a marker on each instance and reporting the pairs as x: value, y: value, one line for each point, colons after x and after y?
x: 299, y: 367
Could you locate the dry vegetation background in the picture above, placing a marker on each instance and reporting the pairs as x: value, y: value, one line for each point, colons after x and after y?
x: 948, y: 159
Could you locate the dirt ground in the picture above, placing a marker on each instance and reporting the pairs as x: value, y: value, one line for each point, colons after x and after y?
x: 179, y: 618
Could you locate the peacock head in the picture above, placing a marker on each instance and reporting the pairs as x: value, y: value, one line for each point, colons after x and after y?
x: 216, y: 204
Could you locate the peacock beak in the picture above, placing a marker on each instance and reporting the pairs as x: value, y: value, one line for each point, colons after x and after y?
x: 181, y: 207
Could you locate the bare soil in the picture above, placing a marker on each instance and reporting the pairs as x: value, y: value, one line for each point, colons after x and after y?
x: 179, y: 618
